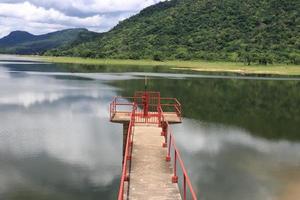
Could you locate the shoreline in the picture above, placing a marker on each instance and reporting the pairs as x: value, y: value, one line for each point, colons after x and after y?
x: 192, y: 66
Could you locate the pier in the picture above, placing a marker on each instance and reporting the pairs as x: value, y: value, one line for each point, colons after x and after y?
x: 151, y: 160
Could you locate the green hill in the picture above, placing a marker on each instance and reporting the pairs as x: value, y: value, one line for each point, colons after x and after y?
x: 21, y: 42
x: 262, y: 31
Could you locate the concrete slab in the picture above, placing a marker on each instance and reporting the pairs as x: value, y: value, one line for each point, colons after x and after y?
x: 150, y: 174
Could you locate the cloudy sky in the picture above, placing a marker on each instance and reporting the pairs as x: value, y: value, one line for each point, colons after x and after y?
x: 43, y: 16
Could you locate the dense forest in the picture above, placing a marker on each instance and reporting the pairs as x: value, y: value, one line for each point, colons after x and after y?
x: 21, y: 42
x: 249, y: 31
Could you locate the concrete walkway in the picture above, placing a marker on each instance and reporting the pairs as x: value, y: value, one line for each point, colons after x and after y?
x: 150, y: 175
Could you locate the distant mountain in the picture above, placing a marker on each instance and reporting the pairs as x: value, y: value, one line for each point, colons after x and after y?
x: 16, y: 37
x: 21, y: 42
x: 261, y: 31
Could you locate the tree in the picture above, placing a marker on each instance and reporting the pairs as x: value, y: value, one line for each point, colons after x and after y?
x: 157, y: 56
x: 182, y: 53
x: 294, y: 58
x: 247, y: 57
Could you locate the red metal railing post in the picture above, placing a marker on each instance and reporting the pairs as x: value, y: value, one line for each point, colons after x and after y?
x: 165, y: 144
x: 146, y: 103
x: 184, y: 187
x: 159, y: 116
x: 110, y: 111
x: 165, y: 133
x: 175, y: 177
x: 168, y: 158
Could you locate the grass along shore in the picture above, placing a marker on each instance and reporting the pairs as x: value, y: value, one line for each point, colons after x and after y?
x: 200, y: 66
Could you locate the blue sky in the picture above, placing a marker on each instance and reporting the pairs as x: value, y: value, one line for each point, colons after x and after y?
x: 43, y: 16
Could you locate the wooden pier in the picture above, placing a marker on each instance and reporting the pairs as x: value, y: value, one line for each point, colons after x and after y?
x: 147, y: 144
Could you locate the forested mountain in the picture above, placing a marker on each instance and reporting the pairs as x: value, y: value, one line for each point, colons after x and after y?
x: 262, y: 31
x: 20, y: 42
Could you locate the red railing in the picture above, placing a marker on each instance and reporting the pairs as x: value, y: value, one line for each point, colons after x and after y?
x: 121, y: 105
x: 171, y: 105
x: 170, y: 143
x: 152, y: 118
x: 127, y: 154
x: 155, y: 116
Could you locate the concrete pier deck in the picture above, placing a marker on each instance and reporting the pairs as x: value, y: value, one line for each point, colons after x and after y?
x: 121, y: 117
x: 146, y: 174
x: 150, y: 174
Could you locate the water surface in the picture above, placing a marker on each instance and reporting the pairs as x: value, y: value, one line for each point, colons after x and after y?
x: 239, y: 138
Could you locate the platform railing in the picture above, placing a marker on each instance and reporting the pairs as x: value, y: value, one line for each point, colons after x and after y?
x: 152, y: 118
x: 171, y: 105
x: 171, y: 145
x: 123, y: 105
x: 127, y: 154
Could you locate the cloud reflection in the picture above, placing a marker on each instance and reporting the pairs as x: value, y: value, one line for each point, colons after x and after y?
x: 230, y: 162
x: 215, y: 138
x: 28, y: 99
x: 56, y: 132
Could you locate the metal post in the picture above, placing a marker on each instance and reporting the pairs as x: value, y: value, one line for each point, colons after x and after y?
x: 125, y: 133
x: 175, y: 177
x: 184, y: 187
x: 165, y: 133
x: 168, y: 158
x: 145, y: 99
x: 165, y: 144
x: 159, y: 116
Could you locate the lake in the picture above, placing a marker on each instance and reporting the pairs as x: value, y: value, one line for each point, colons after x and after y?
x: 239, y: 139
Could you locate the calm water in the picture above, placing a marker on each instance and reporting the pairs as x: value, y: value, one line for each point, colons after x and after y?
x: 240, y: 138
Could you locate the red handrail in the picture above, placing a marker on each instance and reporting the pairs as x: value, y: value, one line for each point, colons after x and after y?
x: 127, y: 155
x: 186, y: 179
x: 137, y: 117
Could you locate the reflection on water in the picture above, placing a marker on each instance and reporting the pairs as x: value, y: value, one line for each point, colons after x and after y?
x: 241, y: 141
x: 267, y: 108
x: 241, y: 137
x: 54, y: 139
x: 228, y: 161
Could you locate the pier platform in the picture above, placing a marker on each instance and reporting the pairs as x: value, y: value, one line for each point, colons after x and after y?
x: 148, y: 170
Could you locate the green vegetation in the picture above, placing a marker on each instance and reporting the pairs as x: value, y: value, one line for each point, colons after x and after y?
x: 92, y: 65
x: 251, y: 32
x: 20, y: 42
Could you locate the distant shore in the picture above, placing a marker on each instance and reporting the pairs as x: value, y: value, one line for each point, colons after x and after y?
x: 197, y: 66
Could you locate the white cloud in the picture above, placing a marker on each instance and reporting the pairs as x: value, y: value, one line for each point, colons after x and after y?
x: 11, y: 24
x: 112, y: 5
x: 89, y: 6
x: 40, y: 17
x: 32, y: 13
